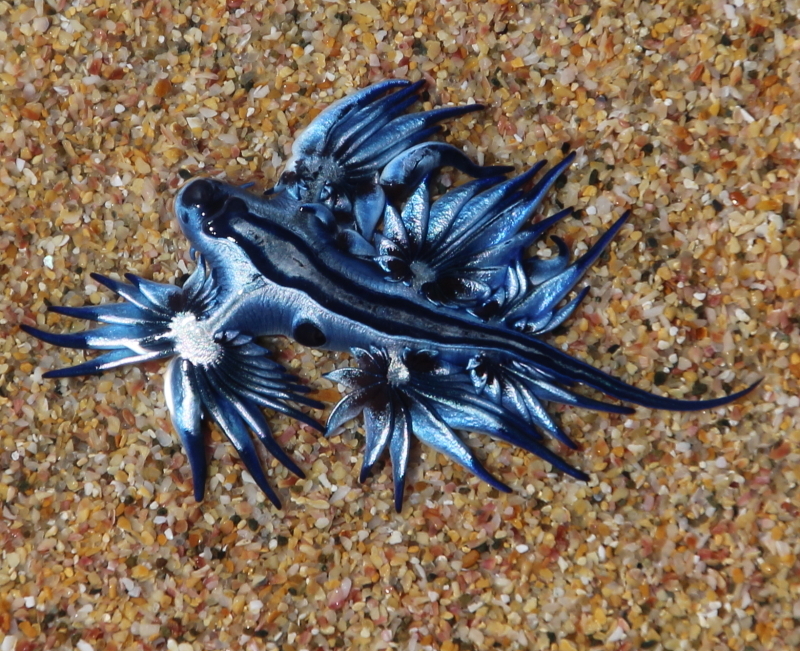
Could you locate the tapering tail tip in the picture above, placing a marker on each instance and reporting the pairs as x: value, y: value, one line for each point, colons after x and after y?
x: 744, y: 392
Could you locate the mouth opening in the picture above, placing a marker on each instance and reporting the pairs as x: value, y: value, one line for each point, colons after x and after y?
x: 208, y: 204
x: 203, y: 195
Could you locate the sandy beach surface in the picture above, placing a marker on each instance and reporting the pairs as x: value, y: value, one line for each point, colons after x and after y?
x: 686, y: 537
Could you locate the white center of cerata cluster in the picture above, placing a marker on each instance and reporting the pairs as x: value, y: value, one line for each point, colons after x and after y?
x: 397, y: 373
x: 193, y: 341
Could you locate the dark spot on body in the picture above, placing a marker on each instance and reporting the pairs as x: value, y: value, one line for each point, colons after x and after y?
x: 421, y: 361
x: 307, y: 333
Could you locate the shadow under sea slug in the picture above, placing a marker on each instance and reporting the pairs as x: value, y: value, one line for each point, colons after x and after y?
x: 439, y: 300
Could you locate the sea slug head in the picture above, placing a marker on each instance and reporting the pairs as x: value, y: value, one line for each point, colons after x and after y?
x: 202, y: 207
x: 197, y: 204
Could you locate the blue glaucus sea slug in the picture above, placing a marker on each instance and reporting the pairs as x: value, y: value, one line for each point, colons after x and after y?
x: 437, y: 298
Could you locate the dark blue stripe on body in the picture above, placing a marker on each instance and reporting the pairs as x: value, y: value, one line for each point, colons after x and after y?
x: 357, y: 300
x: 382, y: 309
